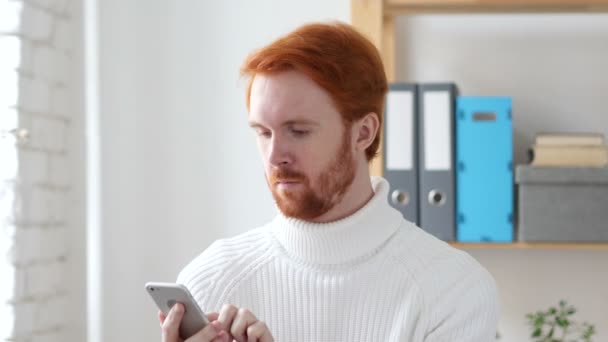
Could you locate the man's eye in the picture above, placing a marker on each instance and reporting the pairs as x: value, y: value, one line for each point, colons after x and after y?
x: 299, y: 133
x: 264, y: 134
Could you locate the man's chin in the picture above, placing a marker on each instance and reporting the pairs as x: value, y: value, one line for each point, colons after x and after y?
x: 298, y: 214
x: 293, y: 208
x: 288, y: 206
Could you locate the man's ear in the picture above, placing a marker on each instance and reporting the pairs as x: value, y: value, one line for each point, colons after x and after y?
x: 365, y: 131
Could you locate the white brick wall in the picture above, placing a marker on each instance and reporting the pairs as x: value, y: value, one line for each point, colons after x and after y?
x: 36, y: 23
x: 34, y: 94
x: 34, y: 195
x: 59, y: 102
x: 62, y: 37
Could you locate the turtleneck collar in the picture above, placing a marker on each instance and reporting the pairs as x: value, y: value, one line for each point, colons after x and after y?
x: 344, y: 240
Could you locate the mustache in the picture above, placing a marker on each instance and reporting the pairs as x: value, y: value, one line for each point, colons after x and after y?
x: 286, y: 175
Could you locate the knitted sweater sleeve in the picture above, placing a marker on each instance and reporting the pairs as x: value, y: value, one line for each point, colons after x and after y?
x: 462, y: 304
x: 201, y: 275
x: 212, y: 275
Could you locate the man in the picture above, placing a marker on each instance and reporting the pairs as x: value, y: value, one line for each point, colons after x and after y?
x: 337, y: 263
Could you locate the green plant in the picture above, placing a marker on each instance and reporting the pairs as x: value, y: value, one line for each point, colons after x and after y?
x: 557, y: 325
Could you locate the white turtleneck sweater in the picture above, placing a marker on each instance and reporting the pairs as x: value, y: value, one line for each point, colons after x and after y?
x: 372, y: 276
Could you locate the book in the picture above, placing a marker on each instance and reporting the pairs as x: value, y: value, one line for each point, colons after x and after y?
x: 571, y: 139
x: 576, y: 156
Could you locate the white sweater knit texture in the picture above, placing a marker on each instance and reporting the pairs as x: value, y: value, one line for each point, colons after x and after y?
x: 372, y: 276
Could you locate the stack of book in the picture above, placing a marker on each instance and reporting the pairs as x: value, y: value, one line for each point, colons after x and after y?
x: 569, y: 150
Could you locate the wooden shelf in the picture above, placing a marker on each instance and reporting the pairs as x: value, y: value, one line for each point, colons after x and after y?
x: 534, y: 245
x: 405, y: 7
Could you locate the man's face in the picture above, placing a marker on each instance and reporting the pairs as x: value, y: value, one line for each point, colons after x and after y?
x: 304, y: 144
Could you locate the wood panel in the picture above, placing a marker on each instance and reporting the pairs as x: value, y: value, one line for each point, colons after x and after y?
x: 368, y: 17
x: 402, y: 7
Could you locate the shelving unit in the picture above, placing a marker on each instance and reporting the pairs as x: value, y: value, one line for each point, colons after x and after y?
x: 376, y: 19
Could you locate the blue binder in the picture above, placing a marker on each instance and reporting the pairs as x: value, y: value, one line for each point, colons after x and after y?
x: 484, y: 171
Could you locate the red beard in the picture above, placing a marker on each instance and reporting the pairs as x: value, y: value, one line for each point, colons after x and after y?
x: 306, y: 203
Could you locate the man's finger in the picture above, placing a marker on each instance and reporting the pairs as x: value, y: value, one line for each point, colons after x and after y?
x: 222, y: 336
x: 213, y: 316
x: 244, y: 318
x: 170, y: 326
x: 227, y: 314
x: 207, y: 334
x: 161, y: 317
x: 258, y: 332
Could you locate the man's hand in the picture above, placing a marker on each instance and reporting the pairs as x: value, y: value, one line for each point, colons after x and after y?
x: 242, y: 325
x: 213, y: 332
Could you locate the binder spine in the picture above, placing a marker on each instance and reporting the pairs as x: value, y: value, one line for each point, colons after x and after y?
x: 400, y: 149
x: 484, y: 169
x: 436, y: 165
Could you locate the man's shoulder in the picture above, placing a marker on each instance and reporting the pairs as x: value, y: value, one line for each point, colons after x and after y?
x: 451, y: 282
x: 227, y: 256
x: 250, y: 240
x: 430, y: 260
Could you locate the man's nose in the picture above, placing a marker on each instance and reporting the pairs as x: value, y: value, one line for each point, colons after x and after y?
x: 279, y: 154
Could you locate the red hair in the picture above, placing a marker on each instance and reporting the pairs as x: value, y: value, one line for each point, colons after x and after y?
x: 338, y: 59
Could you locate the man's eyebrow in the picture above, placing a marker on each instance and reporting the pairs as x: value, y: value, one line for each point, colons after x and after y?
x: 300, y: 122
x: 254, y: 124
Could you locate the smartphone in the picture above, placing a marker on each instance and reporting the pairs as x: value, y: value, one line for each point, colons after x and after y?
x: 165, y: 295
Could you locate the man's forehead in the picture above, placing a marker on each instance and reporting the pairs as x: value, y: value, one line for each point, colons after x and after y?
x: 272, y: 111
x: 288, y: 98
x: 288, y: 86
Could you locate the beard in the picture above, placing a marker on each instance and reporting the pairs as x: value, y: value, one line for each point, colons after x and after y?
x: 306, y: 202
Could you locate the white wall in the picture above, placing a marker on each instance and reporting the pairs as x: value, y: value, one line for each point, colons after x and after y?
x: 179, y: 165
x: 555, y: 67
x: 45, y: 223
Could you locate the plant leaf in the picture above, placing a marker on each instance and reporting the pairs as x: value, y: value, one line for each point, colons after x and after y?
x: 562, y: 322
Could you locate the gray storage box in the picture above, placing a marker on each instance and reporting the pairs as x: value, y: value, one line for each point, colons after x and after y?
x: 562, y: 204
